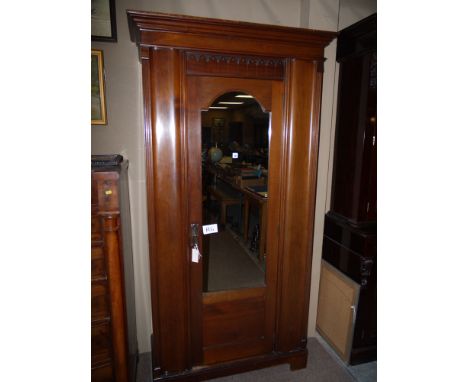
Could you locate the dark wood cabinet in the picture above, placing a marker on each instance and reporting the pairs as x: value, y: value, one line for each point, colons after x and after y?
x: 350, y: 235
x: 114, y: 348
x: 187, y: 63
x: 354, y: 192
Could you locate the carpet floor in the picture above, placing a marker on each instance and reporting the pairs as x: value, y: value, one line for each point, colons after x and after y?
x: 321, y: 367
x: 230, y: 266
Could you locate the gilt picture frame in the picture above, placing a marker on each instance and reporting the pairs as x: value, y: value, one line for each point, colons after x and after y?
x: 103, y: 24
x: 98, y: 98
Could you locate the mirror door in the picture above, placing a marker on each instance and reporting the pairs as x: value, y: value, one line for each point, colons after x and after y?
x: 234, y: 129
x: 235, y: 152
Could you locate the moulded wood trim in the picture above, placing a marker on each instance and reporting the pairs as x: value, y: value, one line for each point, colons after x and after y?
x: 165, y: 189
x: 314, y: 143
x: 151, y: 28
x: 296, y: 358
x: 300, y: 166
x: 232, y: 294
x: 230, y: 84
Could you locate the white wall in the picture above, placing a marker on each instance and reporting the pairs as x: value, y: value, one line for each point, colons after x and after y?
x: 352, y: 11
x: 323, y: 14
x: 279, y: 12
x: 124, y: 132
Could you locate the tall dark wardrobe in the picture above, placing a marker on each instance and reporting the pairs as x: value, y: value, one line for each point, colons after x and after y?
x: 350, y: 236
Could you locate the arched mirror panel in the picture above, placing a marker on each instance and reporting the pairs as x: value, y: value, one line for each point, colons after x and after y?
x: 235, y: 134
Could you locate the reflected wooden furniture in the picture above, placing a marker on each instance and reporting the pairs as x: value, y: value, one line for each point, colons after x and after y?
x: 187, y: 62
x: 246, y: 182
x: 336, y: 313
x: 226, y: 196
x: 229, y: 194
x: 350, y: 234
x: 114, y: 348
x: 234, y: 175
x: 252, y: 198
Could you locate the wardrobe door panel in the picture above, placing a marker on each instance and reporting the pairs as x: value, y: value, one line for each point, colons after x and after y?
x: 234, y: 323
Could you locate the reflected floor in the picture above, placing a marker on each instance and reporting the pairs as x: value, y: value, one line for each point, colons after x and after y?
x: 230, y: 266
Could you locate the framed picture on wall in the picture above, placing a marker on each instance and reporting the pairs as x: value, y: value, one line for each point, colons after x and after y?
x: 98, y: 99
x: 103, y: 26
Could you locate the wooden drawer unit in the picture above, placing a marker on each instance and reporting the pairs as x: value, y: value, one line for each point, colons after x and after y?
x: 96, y: 229
x: 98, y: 263
x: 102, y: 373
x: 101, y: 342
x: 114, y: 347
x: 107, y: 191
x: 99, y: 301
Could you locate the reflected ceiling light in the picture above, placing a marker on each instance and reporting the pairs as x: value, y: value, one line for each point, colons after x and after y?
x: 217, y: 107
x: 244, y: 96
x: 230, y: 103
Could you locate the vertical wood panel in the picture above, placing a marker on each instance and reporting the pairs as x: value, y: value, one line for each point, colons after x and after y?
x: 147, y: 102
x: 318, y: 68
x: 304, y: 86
x: 275, y: 178
x: 168, y: 258
x: 194, y: 195
x: 116, y: 293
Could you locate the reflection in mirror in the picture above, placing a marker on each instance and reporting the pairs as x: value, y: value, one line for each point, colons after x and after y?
x: 235, y: 143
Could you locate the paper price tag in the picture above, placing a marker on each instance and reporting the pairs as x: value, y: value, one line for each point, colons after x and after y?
x: 195, y: 254
x: 210, y: 228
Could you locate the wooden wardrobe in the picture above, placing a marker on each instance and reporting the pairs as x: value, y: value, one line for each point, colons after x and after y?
x: 187, y: 62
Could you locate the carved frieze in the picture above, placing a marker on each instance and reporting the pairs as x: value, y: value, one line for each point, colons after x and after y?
x: 205, y: 63
x: 238, y: 60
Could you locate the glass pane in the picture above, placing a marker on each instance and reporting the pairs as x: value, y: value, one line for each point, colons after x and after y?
x: 235, y: 143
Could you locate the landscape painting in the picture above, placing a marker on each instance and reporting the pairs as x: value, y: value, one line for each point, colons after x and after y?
x: 98, y: 103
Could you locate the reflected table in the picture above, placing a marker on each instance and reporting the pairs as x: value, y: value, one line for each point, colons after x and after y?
x: 226, y: 196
